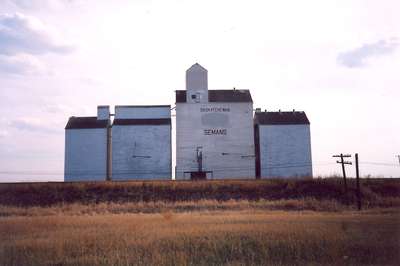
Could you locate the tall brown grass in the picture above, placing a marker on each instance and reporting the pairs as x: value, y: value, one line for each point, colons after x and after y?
x: 202, y: 238
x: 374, y: 191
x: 309, y: 204
x: 260, y: 222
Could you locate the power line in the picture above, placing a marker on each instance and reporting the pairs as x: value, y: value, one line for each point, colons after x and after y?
x: 383, y: 164
x: 137, y: 171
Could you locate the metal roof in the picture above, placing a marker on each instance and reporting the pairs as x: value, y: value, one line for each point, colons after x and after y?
x: 143, y: 106
x: 219, y: 96
x: 281, y: 118
x: 86, y: 122
x: 152, y: 121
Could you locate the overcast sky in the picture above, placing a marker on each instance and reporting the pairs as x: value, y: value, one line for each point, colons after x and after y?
x: 339, y: 61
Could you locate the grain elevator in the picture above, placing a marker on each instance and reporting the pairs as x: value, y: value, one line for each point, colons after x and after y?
x: 283, y: 144
x: 141, y: 142
x: 214, y: 130
x: 135, y: 145
x: 218, y: 136
x: 86, y: 147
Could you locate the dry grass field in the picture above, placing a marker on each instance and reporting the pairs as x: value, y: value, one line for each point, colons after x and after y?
x: 375, y: 192
x: 203, y: 238
x: 187, y: 229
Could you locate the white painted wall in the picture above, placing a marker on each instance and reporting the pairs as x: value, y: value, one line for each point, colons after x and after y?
x: 131, y: 144
x: 85, y: 154
x: 142, y: 112
x: 191, y: 122
x: 285, y: 151
x: 196, y: 84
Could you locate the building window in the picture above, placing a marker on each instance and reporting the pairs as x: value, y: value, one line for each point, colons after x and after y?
x: 196, y: 97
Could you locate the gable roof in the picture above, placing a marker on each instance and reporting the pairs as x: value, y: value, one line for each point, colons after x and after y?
x: 219, y: 96
x: 196, y: 67
x: 86, y: 122
x: 281, y: 118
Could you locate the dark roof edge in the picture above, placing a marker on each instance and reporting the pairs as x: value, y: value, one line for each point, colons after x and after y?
x: 86, y: 122
x: 281, y: 118
x: 146, y: 121
x: 219, y: 96
x: 221, y: 90
x: 283, y: 124
x: 74, y: 128
x: 143, y: 106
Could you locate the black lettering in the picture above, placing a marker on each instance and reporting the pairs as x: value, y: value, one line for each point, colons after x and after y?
x: 215, y: 131
x: 214, y: 109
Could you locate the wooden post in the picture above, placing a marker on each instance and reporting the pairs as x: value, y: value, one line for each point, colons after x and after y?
x: 342, y: 162
x: 358, y: 184
x: 109, y: 152
x: 344, y: 173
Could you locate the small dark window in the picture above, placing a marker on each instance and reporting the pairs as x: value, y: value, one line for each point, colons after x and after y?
x: 193, y: 96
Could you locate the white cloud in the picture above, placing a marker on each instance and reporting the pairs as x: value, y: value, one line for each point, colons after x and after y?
x: 21, y: 64
x: 38, y: 4
x: 34, y: 125
x: 359, y: 56
x: 26, y: 34
x: 140, y: 58
x: 3, y: 133
x: 55, y: 108
x: 22, y: 39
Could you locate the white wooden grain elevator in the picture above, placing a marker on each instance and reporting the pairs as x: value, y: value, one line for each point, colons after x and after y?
x: 86, y: 147
x: 217, y: 137
x: 214, y: 130
x: 283, y: 144
x: 141, y: 142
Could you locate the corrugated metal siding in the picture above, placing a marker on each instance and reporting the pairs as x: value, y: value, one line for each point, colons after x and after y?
x: 142, y: 112
x: 285, y: 151
x: 85, y: 154
x: 141, y: 152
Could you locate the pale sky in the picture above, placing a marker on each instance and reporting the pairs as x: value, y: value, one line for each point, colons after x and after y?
x: 339, y: 61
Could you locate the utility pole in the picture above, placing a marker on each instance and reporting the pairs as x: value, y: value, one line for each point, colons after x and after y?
x: 358, y: 184
x: 398, y: 156
x: 342, y: 162
x: 109, y: 153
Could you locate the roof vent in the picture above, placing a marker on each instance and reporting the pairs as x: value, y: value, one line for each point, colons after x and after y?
x: 258, y: 110
x: 103, y: 112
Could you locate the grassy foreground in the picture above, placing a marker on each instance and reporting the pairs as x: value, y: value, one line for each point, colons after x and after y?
x: 376, y: 192
x: 263, y: 222
x: 242, y: 237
